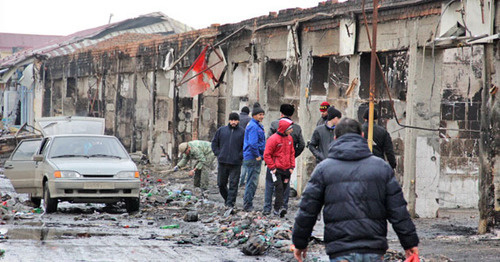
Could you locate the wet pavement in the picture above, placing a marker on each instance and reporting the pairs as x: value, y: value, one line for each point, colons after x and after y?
x: 160, y: 231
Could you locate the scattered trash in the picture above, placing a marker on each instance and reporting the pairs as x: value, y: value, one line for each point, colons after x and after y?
x: 191, y: 216
x: 255, y: 246
x: 170, y: 226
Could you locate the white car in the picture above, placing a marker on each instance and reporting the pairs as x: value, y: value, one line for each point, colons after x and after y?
x: 88, y: 168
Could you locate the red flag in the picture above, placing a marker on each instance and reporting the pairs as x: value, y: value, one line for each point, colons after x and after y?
x: 205, y: 79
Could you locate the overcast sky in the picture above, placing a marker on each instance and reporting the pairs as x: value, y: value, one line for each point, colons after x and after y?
x: 63, y: 17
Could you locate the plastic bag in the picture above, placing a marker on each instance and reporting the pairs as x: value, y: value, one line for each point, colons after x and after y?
x: 413, y: 258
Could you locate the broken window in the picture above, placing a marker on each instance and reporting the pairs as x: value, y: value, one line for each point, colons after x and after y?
x: 338, y: 81
x: 395, y: 67
x: 70, y: 87
x: 274, y: 83
x: 291, y: 83
x: 319, y: 76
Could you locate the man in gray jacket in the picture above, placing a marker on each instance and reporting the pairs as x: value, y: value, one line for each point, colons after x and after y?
x: 323, y: 135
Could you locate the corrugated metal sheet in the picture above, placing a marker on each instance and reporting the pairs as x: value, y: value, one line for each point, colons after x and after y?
x: 147, y: 24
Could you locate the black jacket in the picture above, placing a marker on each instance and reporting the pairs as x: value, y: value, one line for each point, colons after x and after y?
x: 320, y: 142
x: 359, y: 193
x: 227, y: 144
x: 298, y: 139
x: 382, y: 143
x: 244, y: 119
x: 321, y: 121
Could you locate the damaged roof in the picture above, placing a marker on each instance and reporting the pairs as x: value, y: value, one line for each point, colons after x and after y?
x: 153, y: 23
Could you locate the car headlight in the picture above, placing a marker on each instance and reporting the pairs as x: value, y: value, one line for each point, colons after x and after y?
x: 128, y: 174
x: 67, y: 174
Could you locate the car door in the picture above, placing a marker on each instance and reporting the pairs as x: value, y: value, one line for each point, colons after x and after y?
x: 20, y: 167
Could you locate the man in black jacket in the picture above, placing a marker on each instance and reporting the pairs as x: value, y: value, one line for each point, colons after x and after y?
x: 286, y: 111
x: 323, y: 135
x: 227, y: 146
x: 244, y: 117
x: 359, y: 194
x: 382, y: 141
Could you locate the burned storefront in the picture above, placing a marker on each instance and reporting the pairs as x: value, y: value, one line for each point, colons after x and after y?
x: 435, y: 89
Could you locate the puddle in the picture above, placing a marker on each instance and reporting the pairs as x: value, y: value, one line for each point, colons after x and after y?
x: 46, y: 233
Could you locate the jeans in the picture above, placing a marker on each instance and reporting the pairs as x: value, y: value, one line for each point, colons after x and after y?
x: 228, y: 173
x: 356, y: 257
x: 253, y: 168
x: 268, y: 195
x: 243, y: 175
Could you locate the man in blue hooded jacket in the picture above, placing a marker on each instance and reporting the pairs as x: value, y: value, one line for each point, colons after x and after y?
x: 253, y: 151
x: 358, y: 193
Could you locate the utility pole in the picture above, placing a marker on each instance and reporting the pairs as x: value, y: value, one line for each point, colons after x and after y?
x: 373, y: 67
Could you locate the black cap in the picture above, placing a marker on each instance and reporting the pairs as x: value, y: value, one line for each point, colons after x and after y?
x: 257, y: 109
x: 234, y: 116
x: 332, y: 113
x: 287, y: 109
x: 375, y: 114
x: 245, y: 109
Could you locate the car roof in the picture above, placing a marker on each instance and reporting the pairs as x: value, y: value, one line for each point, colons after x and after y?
x: 79, y: 135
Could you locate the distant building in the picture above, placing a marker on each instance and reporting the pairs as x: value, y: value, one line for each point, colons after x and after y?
x: 13, y: 43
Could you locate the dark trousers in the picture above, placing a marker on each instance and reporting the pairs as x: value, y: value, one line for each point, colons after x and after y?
x: 279, y: 187
x: 229, y: 173
x: 268, y: 196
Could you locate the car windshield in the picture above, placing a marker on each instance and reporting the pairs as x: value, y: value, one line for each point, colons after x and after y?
x: 87, y: 146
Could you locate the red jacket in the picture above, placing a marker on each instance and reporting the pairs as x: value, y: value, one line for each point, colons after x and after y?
x: 279, y: 152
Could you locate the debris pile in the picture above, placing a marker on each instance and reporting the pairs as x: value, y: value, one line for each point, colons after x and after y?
x: 14, y: 208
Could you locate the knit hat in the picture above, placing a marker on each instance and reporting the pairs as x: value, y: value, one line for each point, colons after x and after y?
x: 332, y: 113
x: 257, y: 109
x: 234, y: 116
x: 287, y: 109
x: 245, y: 109
x: 375, y: 114
x: 324, y: 106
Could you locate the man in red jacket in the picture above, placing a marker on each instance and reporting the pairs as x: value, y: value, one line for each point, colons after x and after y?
x: 279, y: 156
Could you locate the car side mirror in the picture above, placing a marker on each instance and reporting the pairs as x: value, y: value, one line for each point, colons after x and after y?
x: 37, y: 158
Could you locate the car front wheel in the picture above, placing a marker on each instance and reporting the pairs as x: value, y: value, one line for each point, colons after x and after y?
x: 132, y: 204
x: 50, y: 204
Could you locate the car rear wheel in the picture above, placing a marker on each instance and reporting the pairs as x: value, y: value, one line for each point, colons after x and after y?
x: 132, y: 204
x: 50, y: 204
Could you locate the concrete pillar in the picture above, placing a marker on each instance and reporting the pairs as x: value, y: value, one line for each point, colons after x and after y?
x: 422, y: 110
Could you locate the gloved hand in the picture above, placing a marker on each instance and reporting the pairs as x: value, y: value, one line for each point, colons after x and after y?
x: 176, y: 168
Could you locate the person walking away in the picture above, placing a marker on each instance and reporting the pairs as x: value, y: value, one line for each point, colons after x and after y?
x: 382, y: 141
x: 287, y: 111
x: 244, y: 119
x: 358, y: 193
x: 201, y: 153
x: 227, y: 146
x: 323, y: 135
x: 253, y: 151
x: 323, y: 109
x: 279, y: 156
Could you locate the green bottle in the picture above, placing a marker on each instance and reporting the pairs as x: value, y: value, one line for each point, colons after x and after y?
x: 170, y: 226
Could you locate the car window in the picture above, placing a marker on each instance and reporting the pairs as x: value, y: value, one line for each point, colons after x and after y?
x: 44, y: 146
x: 26, y: 150
x: 86, y: 146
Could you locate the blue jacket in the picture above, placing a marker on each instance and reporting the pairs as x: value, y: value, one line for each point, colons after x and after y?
x: 255, y: 140
x: 227, y: 144
x: 358, y: 193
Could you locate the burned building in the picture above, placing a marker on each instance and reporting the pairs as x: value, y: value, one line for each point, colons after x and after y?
x: 436, y: 90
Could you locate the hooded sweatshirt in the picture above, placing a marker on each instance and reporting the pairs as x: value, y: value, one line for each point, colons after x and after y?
x: 280, y: 152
